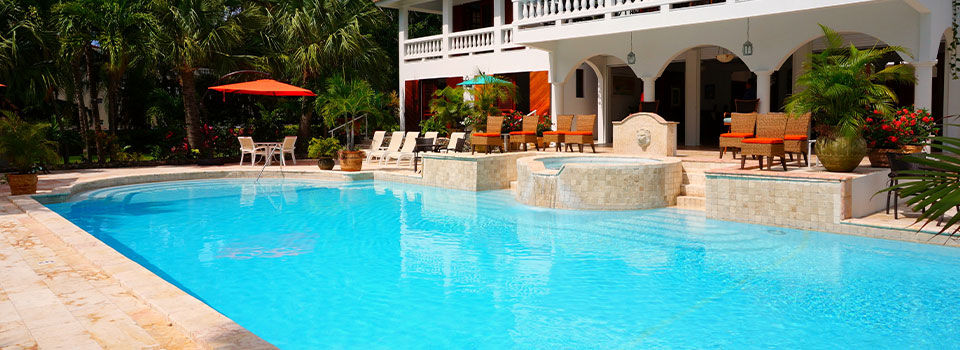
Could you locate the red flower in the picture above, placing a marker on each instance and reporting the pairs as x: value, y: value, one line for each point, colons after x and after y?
x: 897, y: 123
x: 886, y: 127
x: 876, y: 111
x: 869, y: 120
x: 892, y: 138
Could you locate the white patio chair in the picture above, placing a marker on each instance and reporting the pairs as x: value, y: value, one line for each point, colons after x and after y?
x: 377, y: 144
x: 287, y: 147
x: 432, y: 135
x: 396, y: 139
x: 247, y: 146
x: 409, y: 144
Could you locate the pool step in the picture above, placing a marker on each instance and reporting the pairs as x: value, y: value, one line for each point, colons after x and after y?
x: 693, y: 190
x: 691, y: 202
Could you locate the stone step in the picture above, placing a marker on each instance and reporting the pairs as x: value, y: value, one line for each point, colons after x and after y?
x: 693, y: 190
x: 694, y: 178
x: 690, y: 202
x: 513, y: 186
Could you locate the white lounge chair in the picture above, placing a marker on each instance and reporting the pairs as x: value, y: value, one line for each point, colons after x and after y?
x: 247, y: 146
x: 409, y: 144
x: 454, y: 138
x: 431, y: 135
x: 396, y: 139
x: 377, y: 144
x: 287, y: 147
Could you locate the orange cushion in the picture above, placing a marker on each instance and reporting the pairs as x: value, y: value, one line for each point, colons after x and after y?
x: 523, y: 133
x: 578, y: 133
x: 738, y: 135
x: 763, y: 140
x: 487, y: 134
x: 795, y: 137
x: 553, y: 132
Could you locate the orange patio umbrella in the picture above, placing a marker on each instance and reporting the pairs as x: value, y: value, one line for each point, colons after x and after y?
x: 265, y: 87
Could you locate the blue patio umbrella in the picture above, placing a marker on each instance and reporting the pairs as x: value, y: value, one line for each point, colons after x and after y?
x: 483, y: 80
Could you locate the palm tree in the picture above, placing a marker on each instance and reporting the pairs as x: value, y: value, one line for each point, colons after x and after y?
x: 28, y: 49
x: 77, y: 34
x: 196, y: 34
x: 124, y: 29
x: 322, y: 37
x: 347, y: 99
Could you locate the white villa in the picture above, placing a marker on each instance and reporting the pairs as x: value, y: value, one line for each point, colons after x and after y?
x: 692, y: 57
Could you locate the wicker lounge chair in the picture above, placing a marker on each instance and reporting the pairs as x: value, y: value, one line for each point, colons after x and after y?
x: 769, y: 140
x: 795, y: 137
x: 564, y: 124
x: 582, y: 133
x: 491, y: 138
x: 528, y: 134
x: 743, y: 126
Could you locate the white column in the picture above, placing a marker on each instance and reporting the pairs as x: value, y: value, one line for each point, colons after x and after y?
x: 516, y: 11
x: 763, y: 89
x: 403, y: 15
x: 649, y: 89
x: 691, y: 119
x: 447, y: 28
x: 602, y: 118
x: 556, y: 100
x: 923, y: 91
x: 497, y: 24
x: 607, y: 110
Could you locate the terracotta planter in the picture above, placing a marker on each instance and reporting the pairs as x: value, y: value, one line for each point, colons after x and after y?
x: 22, y: 184
x: 351, y: 160
x: 841, y: 154
x: 912, y: 149
x: 878, y: 157
x: 325, y: 163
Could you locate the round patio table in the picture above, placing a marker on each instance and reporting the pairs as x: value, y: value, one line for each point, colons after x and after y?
x: 270, y: 147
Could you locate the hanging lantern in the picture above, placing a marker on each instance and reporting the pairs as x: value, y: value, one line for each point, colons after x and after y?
x: 631, y: 57
x: 748, y: 46
x: 725, y: 56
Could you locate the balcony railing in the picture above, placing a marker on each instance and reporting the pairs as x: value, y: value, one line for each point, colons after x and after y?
x: 549, y: 12
x: 463, y: 43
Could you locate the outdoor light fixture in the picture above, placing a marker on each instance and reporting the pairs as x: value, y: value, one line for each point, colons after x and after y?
x: 748, y: 46
x: 631, y: 57
x: 725, y: 56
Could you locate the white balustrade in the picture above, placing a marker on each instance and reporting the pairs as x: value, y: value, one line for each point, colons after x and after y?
x: 546, y: 11
x: 430, y: 46
x: 472, y: 41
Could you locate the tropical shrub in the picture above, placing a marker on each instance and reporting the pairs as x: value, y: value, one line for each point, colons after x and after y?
x: 323, y: 147
x: 449, y: 107
x: 25, y: 145
x: 842, y: 85
x: 433, y: 124
x: 935, y: 188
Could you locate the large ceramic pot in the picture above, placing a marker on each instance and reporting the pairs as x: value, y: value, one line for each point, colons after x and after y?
x: 351, y: 160
x: 22, y: 183
x: 878, y: 157
x: 325, y: 163
x: 841, y: 153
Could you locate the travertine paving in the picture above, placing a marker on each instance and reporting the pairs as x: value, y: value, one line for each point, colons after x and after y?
x: 51, y: 298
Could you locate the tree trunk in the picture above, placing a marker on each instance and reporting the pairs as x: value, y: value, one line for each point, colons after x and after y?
x: 304, y: 134
x: 113, y: 102
x: 191, y: 108
x: 82, y: 119
x: 92, y: 86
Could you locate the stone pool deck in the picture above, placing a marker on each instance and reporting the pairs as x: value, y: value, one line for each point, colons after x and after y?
x: 62, y: 288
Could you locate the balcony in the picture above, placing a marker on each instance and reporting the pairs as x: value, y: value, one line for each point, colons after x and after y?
x: 464, y: 43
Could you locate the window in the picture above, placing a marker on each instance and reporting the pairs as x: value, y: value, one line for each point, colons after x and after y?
x: 579, y: 83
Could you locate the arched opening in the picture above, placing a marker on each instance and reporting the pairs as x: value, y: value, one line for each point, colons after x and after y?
x: 583, y: 94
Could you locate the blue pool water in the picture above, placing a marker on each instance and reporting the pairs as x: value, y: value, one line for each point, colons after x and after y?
x: 308, y: 265
x: 555, y: 163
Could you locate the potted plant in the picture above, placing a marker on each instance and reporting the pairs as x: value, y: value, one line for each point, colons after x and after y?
x: 352, y: 160
x: 351, y: 100
x: 25, y: 146
x: 906, y: 131
x: 839, y: 87
x: 324, y: 149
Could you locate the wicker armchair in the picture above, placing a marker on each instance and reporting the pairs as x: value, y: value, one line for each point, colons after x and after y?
x: 490, y: 138
x: 582, y: 133
x: 795, y: 137
x: 743, y: 126
x: 741, y: 106
x: 528, y: 134
x: 769, y: 141
x: 564, y: 124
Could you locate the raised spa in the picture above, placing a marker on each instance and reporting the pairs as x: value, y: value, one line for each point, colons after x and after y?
x: 598, y: 182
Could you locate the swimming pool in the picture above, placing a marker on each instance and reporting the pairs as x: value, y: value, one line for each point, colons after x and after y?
x: 555, y: 163
x: 367, y: 264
